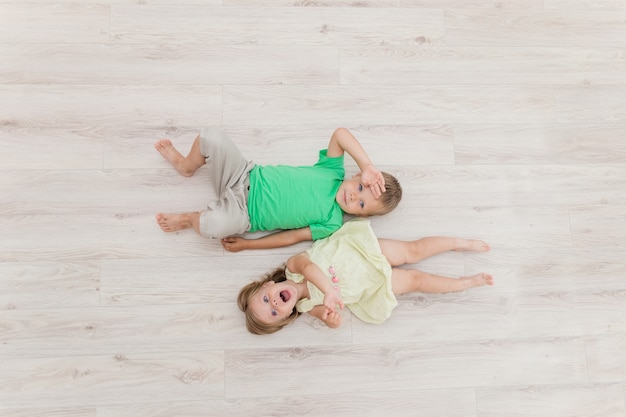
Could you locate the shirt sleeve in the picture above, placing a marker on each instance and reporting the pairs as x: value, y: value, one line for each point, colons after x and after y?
x: 320, y: 231
x: 335, y: 163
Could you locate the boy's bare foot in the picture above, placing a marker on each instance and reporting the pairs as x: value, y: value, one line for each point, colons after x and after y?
x: 478, y: 280
x: 169, y: 152
x: 474, y: 245
x: 173, y: 222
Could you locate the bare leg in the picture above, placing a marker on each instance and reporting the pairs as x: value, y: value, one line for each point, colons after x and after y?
x: 185, y: 165
x: 411, y: 280
x: 400, y: 252
x: 175, y: 222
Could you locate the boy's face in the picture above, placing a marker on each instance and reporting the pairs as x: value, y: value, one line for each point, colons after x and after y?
x: 355, y: 198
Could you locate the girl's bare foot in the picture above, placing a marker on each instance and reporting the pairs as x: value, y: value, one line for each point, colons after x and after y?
x: 169, y: 152
x: 478, y: 280
x: 473, y: 245
x: 174, y: 222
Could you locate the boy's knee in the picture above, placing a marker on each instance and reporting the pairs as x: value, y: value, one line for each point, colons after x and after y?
x: 212, y: 140
x: 219, y: 222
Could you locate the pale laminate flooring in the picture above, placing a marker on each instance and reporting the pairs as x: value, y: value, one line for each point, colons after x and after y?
x: 504, y: 120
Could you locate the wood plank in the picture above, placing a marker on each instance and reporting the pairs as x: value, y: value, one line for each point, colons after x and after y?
x: 42, y: 285
x: 99, y: 192
x: 147, y: 329
x: 53, y: 22
x: 598, y: 225
x: 426, y: 4
x: 172, y: 64
x: 430, y: 403
x: 28, y: 106
x: 30, y: 147
x: 112, y: 379
x: 50, y: 412
x: 512, y: 185
x: 251, y: 372
x: 477, y: 314
x: 262, y: 26
x: 592, y: 104
x: 80, y: 237
x: 606, y: 358
x: 575, y: 143
x: 552, y: 270
x: 105, y: 331
x: 493, y: 65
x: 552, y: 401
x: 586, y: 4
x: 563, y: 28
x: 403, y: 104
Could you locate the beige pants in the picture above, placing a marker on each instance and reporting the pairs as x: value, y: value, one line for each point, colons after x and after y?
x: 229, y: 172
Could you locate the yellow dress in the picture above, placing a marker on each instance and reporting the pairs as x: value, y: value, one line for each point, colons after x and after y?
x: 362, y: 272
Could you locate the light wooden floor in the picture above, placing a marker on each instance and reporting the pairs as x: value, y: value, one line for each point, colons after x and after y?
x: 504, y: 120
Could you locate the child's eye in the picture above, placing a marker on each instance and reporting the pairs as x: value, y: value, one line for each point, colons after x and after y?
x: 265, y: 299
x: 362, y: 204
x: 360, y: 187
x: 274, y: 313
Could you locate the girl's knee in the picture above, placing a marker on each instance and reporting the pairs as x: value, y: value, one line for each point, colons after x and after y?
x: 418, y: 277
x: 416, y: 249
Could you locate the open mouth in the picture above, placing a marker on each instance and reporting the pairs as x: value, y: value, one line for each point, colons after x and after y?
x: 285, y: 296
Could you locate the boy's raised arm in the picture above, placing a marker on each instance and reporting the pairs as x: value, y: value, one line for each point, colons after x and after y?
x: 343, y: 141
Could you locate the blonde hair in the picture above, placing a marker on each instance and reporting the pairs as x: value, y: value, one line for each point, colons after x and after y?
x: 245, y: 295
x: 392, y: 195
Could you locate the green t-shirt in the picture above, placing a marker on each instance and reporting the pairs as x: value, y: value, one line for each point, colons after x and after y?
x: 288, y: 197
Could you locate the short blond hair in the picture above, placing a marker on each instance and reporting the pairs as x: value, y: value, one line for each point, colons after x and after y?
x: 392, y: 195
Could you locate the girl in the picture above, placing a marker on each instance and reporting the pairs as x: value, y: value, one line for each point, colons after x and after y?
x: 353, y: 267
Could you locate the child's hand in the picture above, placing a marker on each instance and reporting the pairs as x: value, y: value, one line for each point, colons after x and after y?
x: 234, y: 244
x: 332, y: 299
x: 332, y: 319
x: 373, y: 178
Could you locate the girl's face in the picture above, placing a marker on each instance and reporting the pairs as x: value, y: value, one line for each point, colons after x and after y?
x: 274, y: 302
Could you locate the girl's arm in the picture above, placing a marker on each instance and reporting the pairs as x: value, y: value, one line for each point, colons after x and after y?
x: 302, y: 264
x: 331, y: 318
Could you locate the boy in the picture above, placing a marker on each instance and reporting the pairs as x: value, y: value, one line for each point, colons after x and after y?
x: 307, y: 202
